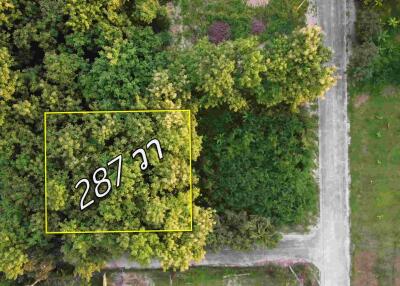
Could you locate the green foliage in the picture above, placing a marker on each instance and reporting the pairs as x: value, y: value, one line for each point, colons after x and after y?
x: 111, y: 65
x: 146, y: 10
x: 261, y: 164
x: 362, y: 61
x: 82, y: 13
x: 241, y: 231
x: 62, y: 69
x: 376, y: 55
x: 368, y: 26
x: 8, y: 78
x: 108, y: 55
x: 7, y: 8
x: 290, y: 70
x: 78, y: 144
x: 122, y: 71
x: 282, y: 17
x: 296, y: 73
x: 12, y: 245
x: 211, y: 73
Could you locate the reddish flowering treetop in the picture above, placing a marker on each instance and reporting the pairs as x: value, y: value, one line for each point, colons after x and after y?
x: 257, y: 27
x: 219, y: 32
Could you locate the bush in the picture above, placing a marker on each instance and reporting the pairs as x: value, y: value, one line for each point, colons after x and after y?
x: 219, y: 32
x: 375, y: 56
x: 361, y: 67
x: 257, y: 27
x: 146, y: 10
x: 161, y: 22
x: 261, y: 164
x: 368, y: 26
x: 240, y: 231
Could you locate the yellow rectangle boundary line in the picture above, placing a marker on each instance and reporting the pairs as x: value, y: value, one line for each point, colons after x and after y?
x: 107, y: 112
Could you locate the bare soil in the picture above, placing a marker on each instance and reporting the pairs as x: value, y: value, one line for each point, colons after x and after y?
x: 364, y: 263
x: 360, y: 100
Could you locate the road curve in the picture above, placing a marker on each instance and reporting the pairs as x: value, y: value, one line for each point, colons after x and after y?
x: 328, y: 244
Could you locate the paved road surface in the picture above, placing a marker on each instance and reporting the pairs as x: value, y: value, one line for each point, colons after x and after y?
x: 327, y: 245
x: 333, y: 254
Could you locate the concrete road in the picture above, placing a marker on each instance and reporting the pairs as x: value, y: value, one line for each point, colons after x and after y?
x: 327, y: 245
x: 332, y: 256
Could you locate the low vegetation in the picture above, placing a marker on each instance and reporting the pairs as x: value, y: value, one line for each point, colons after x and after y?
x: 375, y: 157
x: 199, y: 276
x: 279, y: 17
x: 374, y: 154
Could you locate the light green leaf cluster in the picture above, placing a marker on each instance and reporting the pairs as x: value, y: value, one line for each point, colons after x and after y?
x: 13, y: 258
x: 82, y: 13
x: 7, y: 10
x: 296, y: 70
x: 146, y: 10
x: 8, y: 78
x: 290, y: 70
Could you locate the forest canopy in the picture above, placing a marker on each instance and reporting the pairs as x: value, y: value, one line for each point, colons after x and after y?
x: 251, y: 136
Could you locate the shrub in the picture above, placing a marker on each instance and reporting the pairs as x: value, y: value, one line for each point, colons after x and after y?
x: 219, y: 32
x: 261, y: 164
x: 361, y: 66
x: 368, y: 26
x: 257, y: 27
x: 240, y: 231
x: 146, y: 10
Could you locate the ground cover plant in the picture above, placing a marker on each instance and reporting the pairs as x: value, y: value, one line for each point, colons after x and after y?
x: 271, y: 275
x: 374, y: 80
x: 279, y: 17
x: 78, y: 55
x: 376, y: 51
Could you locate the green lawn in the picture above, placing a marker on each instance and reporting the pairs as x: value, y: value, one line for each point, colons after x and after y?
x: 375, y: 189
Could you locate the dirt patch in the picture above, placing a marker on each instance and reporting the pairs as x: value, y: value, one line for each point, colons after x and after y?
x: 257, y: 3
x: 130, y: 278
x: 397, y: 271
x: 177, y: 28
x: 390, y: 91
x: 360, y: 100
x: 364, y: 269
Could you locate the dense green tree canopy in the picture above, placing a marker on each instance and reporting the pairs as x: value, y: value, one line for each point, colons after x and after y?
x: 261, y: 164
x: 72, y: 55
x: 288, y: 70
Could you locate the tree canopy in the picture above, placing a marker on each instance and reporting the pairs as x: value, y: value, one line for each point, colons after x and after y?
x: 78, y: 55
